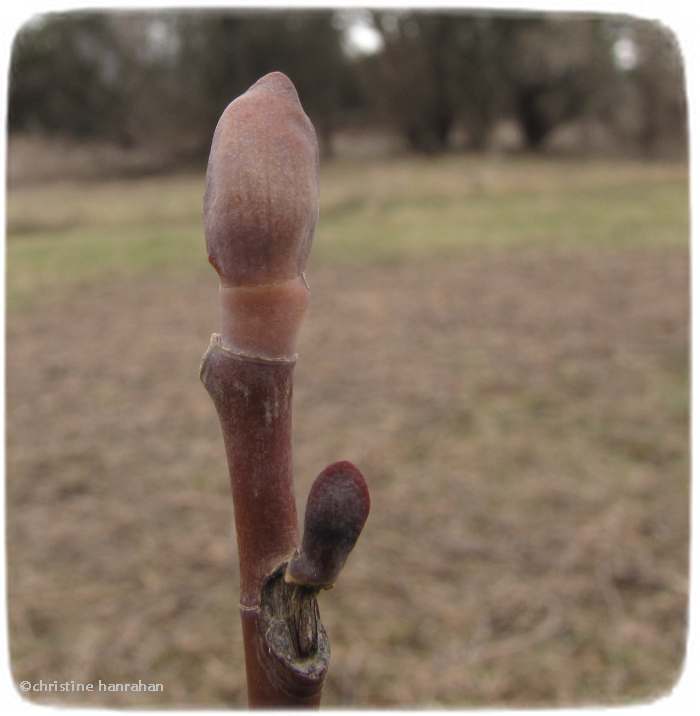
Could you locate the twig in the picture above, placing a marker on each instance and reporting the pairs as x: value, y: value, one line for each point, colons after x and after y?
x: 260, y: 213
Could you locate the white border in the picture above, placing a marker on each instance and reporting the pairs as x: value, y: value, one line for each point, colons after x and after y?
x: 678, y: 15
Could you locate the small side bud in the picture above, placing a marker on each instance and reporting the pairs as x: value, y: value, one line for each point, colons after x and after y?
x: 336, y: 511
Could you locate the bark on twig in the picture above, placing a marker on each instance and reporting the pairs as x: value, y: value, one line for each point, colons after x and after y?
x: 254, y: 399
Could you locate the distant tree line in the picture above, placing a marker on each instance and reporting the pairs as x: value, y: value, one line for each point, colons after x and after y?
x: 441, y: 80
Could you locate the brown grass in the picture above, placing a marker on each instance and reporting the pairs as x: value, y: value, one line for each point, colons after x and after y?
x: 521, y: 417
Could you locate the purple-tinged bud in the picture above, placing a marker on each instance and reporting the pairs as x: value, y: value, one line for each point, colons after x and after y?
x: 261, y: 200
x: 336, y: 511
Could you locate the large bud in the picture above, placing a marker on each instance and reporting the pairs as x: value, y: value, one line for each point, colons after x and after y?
x: 261, y: 199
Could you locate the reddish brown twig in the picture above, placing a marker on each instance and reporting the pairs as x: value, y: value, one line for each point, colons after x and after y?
x: 260, y: 212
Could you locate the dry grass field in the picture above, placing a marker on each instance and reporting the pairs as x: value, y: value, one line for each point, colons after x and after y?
x: 501, y: 345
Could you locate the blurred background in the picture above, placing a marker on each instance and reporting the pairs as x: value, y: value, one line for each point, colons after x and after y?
x: 498, y: 338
